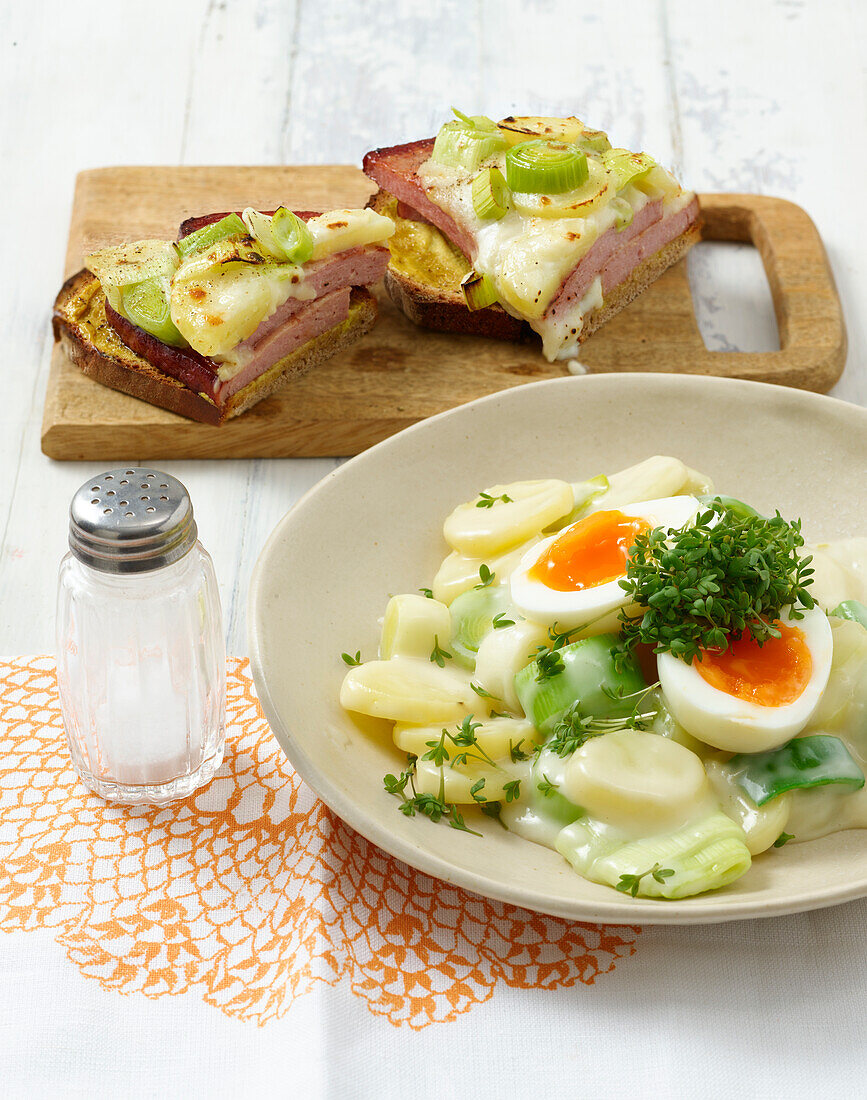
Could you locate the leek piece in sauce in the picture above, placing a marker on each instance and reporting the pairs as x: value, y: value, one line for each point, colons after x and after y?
x: 804, y: 762
x: 702, y: 855
x: 593, y: 141
x: 853, y: 610
x: 208, y: 235
x: 472, y: 619
x: 260, y: 229
x: 626, y: 167
x: 476, y: 122
x: 546, y: 167
x: 622, y: 213
x: 588, y: 680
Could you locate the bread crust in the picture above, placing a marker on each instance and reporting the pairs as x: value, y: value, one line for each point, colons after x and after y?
x: 444, y: 309
x: 81, y: 327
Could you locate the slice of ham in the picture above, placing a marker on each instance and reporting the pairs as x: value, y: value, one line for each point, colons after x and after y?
x: 315, y: 318
x: 195, y: 371
x: 295, y: 322
x: 614, y: 255
x: 396, y: 171
x: 355, y: 267
x: 201, y: 374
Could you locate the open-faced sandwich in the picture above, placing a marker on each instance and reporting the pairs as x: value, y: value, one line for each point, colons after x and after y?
x: 530, y: 221
x: 210, y: 324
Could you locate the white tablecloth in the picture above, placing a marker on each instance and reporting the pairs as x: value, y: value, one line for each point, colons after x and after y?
x: 742, y: 96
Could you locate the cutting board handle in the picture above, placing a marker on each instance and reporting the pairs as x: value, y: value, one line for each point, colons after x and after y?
x: 809, y: 315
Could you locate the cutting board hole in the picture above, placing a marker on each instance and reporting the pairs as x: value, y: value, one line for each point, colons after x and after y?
x: 731, y: 297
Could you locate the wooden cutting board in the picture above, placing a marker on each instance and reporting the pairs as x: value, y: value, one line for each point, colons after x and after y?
x: 399, y: 373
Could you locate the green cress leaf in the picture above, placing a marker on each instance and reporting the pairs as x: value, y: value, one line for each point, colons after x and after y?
x: 439, y: 656
x: 512, y: 790
x: 546, y: 786
x: 487, y: 501
x: 629, y: 884
x: 486, y: 576
x: 704, y: 586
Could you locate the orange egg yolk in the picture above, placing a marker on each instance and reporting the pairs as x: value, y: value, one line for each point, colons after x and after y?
x: 593, y: 551
x: 770, y: 675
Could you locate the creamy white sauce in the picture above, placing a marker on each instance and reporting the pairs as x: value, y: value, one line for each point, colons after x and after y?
x: 622, y: 803
x: 803, y: 814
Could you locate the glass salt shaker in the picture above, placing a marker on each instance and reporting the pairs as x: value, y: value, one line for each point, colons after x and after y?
x: 140, y: 654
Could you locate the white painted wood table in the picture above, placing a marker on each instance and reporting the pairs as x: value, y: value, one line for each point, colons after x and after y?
x: 744, y: 96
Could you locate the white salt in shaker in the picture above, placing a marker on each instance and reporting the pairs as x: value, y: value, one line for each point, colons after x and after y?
x: 140, y: 654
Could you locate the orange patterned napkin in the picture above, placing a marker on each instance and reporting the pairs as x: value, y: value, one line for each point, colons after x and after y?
x: 251, y: 891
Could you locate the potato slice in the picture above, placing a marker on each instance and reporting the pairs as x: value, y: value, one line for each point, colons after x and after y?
x: 697, y: 484
x: 459, y: 574
x: 502, y: 655
x: 526, y: 127
x: 408, y: 689
x: 591, y: 195
x: 495, y: 736
x: 637, y: 781
x: 476, y: 530
x: 339, y: 230
x: 455, y: 783
x: 660, y: 476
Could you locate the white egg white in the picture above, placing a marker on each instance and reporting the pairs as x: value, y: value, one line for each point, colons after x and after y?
x: 737, y: 725
x: 595, y: 607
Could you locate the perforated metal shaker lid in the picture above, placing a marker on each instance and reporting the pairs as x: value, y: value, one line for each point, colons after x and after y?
x: 131, y: 520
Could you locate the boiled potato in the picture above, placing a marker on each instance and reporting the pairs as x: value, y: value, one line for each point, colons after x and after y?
x: 637, y: 781
x: 519, y: 511
x: 408, y: 689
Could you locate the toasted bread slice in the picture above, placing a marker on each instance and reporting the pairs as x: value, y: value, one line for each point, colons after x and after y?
x: 81, y: 326
x: 424, y: 276
x: 424, y: 280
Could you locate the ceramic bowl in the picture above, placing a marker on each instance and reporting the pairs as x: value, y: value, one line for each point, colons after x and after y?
x: 373, y: 527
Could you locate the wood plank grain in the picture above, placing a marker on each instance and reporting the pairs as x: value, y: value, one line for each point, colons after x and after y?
x: 399, y: 374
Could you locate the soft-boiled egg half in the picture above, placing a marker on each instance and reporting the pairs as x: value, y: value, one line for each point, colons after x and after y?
x: 572, y: 578
x: 752, y: 698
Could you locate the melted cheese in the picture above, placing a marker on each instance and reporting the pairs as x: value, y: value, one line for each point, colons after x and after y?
x: 218, y: 297
x: 529, y: 257
x: 339, y: 230
x: 218, y: 308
